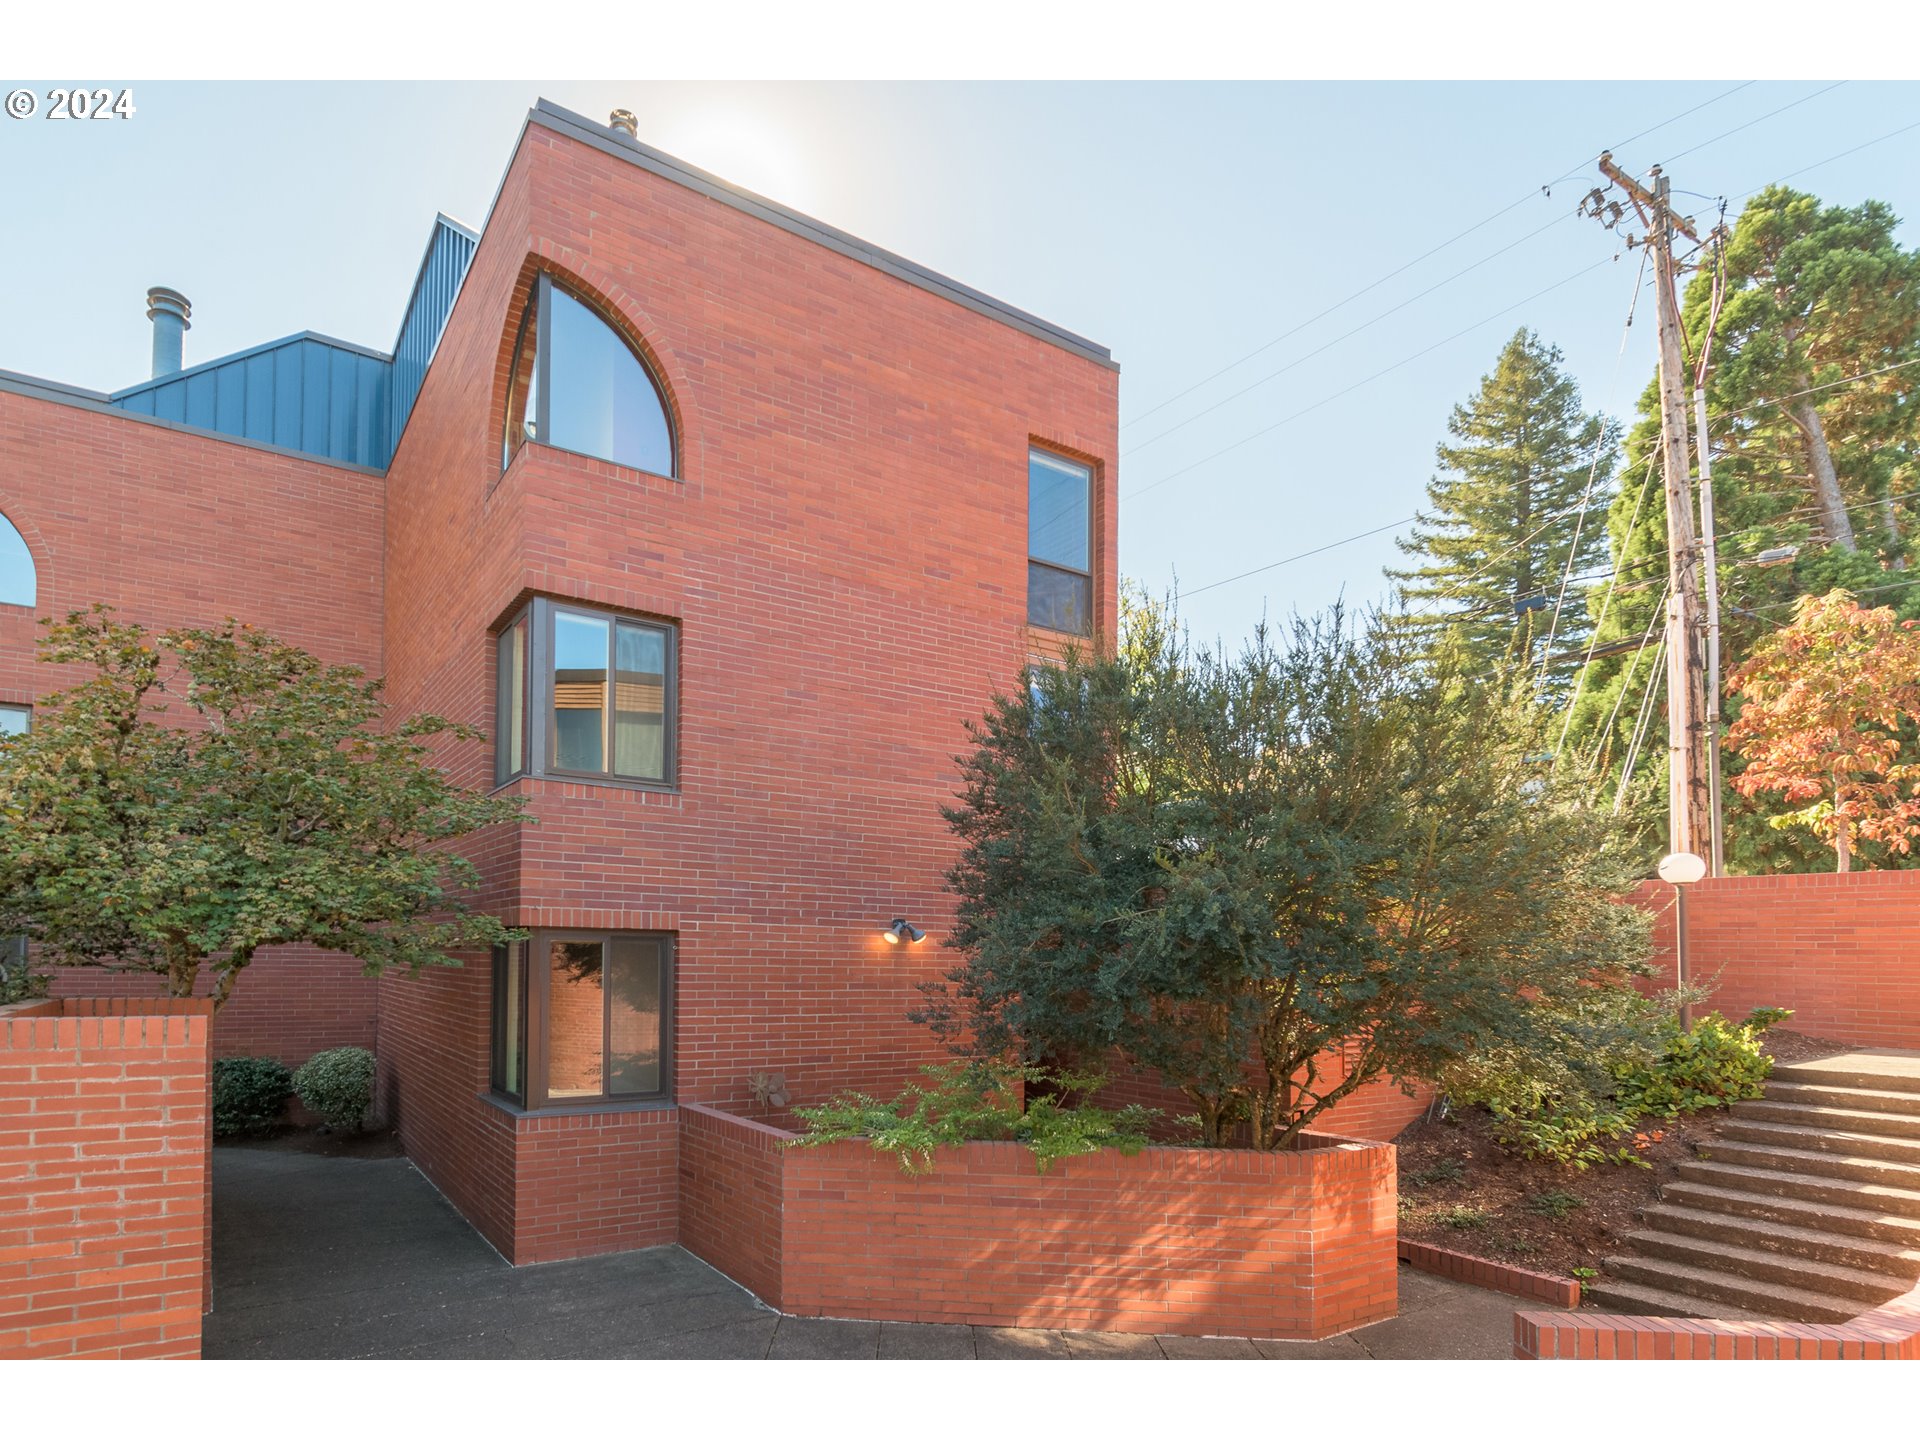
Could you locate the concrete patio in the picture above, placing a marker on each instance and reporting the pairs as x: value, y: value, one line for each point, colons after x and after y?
x: 324, y: 1258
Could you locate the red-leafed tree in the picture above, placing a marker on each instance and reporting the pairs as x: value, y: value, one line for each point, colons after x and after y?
x: 1829, y: 702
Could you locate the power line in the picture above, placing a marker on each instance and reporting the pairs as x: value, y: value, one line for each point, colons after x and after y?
x: 1723, y: 415
x: 1477, y: 225
x: 1358, y: 384
x: 1344, y: 335
x: 1791, y: 104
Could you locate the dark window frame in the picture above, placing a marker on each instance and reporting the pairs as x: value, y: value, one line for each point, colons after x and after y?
x: 1093, y: 548
x: 539, y: 739
x: 535, y: 1013
x: 514, y: 437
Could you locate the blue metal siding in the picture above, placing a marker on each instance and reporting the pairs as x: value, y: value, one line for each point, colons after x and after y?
x: 449, y: 253
x: 316, y: 395
x: 305, y: 393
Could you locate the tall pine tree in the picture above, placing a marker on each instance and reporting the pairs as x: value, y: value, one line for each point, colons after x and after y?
x: 1503, y: 525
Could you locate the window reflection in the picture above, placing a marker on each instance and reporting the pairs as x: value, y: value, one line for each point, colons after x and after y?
x: 601, y: 399
x: 579, y: 691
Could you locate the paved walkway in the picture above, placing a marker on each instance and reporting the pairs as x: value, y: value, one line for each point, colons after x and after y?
x: 319, y: 1258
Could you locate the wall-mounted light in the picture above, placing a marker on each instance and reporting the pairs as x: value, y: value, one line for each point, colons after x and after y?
x: 900, y: 930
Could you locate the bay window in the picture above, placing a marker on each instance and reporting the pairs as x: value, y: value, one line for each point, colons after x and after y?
x: 584, y: 694
x: 583, y: 1018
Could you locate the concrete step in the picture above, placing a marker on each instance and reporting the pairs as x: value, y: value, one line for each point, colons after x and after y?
x: 1854, y: 1194
x: 1843, y: 1097
x: 1843, y: 1283
x: 1803, y: 1137
x: 1898, y: 1262
x: 1786, y: 1302
x: 1859, y: 1070
x: 1830, y: 1117
x: 1624, y: 1298
x: 1810, y: 1162
x: 1898, y: 1230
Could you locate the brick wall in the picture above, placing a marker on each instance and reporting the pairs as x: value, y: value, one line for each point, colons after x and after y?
x: 1891, y: 1332
x: 1170, y: 1241
x: 730, y: 1172
x: 1838, y: 950
x: 105, y: 1185
x: 595, y: 1184
x: 175, y: 529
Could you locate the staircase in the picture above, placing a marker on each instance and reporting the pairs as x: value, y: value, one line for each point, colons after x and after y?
x: 1806, y: 1207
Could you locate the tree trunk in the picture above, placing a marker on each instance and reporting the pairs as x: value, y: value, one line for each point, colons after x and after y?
x: 1890, y: 518
x: 1826, y: 483
x: 1843, y: 845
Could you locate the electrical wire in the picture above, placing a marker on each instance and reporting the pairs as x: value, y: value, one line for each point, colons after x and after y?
x: 1477, y: 225
x: 1640, y: 726
x: 1791, y: 104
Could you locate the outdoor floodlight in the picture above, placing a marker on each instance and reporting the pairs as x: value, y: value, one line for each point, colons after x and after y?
x: 900, y: 930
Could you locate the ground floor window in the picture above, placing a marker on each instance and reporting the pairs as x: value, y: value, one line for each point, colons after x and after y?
x: 583, y: 1018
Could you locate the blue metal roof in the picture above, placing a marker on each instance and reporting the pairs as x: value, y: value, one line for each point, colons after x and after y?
x: 313, y: 393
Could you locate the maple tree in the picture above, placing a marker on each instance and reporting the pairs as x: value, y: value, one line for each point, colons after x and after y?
x: 1828, y: 701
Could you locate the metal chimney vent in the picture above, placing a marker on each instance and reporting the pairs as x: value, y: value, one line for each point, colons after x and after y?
x: 625, y: 121
x: 169, y: 312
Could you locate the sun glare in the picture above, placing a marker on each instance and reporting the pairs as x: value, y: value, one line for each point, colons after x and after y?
x: 743, y: 148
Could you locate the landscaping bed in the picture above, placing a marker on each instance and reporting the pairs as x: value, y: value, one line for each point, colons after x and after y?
x: 325, y: 1140
x: 1462, y: 1190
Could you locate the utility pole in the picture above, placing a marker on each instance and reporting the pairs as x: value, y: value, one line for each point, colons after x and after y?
x: 1689, y: 796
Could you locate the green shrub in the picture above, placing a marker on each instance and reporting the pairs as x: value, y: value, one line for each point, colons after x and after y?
x: 249, y: 1095
x: 337, y: 1085
x: 1714, y: 1063
x: 1461, y: 1217
x: 980, y: 1102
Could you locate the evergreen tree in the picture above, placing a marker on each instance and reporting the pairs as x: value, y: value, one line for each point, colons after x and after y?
x: 1503, y: 527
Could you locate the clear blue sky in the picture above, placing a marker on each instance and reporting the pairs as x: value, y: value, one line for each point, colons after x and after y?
x: 1183, y: 225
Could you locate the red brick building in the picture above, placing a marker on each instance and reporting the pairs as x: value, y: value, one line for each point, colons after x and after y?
x: 722, y: 523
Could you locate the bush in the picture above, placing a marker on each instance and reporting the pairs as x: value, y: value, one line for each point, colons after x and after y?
x: 980, y: 1102
x: 249, y: 1095
x: 337, y: 1085
x: 1715, y: 1063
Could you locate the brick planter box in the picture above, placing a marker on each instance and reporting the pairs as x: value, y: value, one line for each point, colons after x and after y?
x: 104, y: 1178
x: 1293, y: 1246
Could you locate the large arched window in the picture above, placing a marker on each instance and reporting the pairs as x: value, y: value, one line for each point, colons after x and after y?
x: 17, y: 585
x: 578, y: 385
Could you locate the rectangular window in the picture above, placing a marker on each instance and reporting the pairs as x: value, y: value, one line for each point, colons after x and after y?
x: 583, y: 1018
x: 1059, y: 543
x: 584, y: 694
x: 14, y: 718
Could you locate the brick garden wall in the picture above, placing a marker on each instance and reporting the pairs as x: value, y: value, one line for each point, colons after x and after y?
x: 1170, y: 1241
x: 105, y: 1185
x: 1839, y: 950
x: 730, y: 1198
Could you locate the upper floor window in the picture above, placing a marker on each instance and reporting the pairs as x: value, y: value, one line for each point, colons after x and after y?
x: 577, y: 384
x: 1059, y: 543
x: 14, y: 719
x: 584, y: 694
x: 17, y: 583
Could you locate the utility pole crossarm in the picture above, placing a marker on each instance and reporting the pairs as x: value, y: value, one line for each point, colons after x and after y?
x: 1643, y: 195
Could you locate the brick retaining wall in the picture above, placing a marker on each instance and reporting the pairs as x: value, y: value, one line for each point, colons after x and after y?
x: 1298, y: 1245
x: 105, y: 1185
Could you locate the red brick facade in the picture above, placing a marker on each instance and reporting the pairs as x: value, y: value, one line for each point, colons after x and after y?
x: 104, y: 1181
x: 1171, y: 1241
x: 1835, y: 949
x: 842, y: 553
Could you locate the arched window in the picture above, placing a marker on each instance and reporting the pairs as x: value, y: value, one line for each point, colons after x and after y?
x: 578, y: 385
x: 17, y: 584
